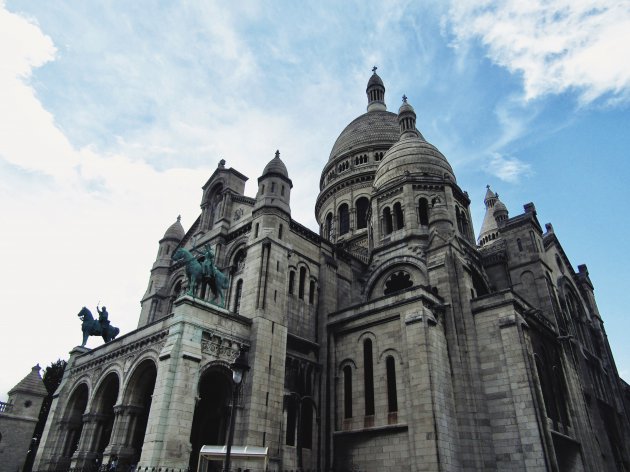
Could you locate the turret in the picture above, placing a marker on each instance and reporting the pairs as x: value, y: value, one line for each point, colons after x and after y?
x: 376, y: 93
x: 152, y: 301
x: 495, y: 217
x: 274, y: 186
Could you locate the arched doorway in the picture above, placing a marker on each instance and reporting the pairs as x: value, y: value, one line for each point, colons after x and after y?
x: 73, y: 424
x: 212, y: 413
x: 104, y: 402
x: 135, y: 410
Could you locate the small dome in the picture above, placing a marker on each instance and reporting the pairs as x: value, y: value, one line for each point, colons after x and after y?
x: 276, y: 166
x: 375, y: 80
x: 499, y: 206
x: 406, y: 107
x: 175, y: 231
x: 415, y: 157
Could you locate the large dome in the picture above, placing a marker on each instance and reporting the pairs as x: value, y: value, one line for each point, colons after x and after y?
x: 375, y: 128
x: 412, y: 156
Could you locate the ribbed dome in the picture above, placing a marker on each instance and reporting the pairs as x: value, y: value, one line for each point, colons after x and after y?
x: 369, y: 129
x: 375, y: 80
x: 175, y: 231
x: 276, y: 166
x: 412, y: 156
x: 499, y: 206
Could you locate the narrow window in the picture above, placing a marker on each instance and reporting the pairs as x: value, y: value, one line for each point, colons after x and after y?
x: 329, y: 226
x: 362, y: 210
x: 291, y: 282
x: 392, y: 398
x: 262, y: 191
x: 256, y: 230
x: 387, y: 221
x: 307, y: 425
x: 280, y: 231
x: 458, y: 217
x: 282, y: 191
x: 237, y: 296
x: 423, y: 211
x: 273, y: 187
x: 347, y: 392
x: 368, y: 379
x: 311, y: 292
x: 519, y: 244
x: 533, y: 238
x: 302, y: 282
x: 344, y: 219
x: 398, y: 213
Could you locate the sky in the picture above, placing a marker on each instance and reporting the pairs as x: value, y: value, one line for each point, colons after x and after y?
x: 114, y: 114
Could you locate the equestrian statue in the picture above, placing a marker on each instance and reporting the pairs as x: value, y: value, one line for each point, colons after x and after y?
x: 202, y: 273
x: 100, y: 327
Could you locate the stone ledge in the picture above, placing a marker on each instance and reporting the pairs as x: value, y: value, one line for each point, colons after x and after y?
x: 390, y: 428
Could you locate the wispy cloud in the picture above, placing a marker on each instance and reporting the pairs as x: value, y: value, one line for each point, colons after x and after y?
x: 557, y: 46
x: 507, y: 168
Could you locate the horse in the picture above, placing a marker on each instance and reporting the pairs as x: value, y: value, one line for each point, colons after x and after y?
x: 201, y: 273
x: 92, y: 327
x: 194, y: 269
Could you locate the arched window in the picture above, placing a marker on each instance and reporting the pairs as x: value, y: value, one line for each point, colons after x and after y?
x: 423, y: 211
x: 398, y: 214
x: 392, y: 396
x: 362, y: 210
x: 311, y: 292
x: 347, y: 392
x: 368, y: 377
x: 302, y: 282
x: 465, y: 224
x: 458, y: 217
x: 291, y: 282
x: 329, y: 227
x: 519, y: 244
x: 237, y: 296
x: 239, y: 261
x: 344, y: 219
x: 397, y: 282
x: 387, y: 221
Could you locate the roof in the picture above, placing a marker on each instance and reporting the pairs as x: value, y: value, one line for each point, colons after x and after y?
x: 175, y: 231
x: 375, y: 80
x: 32, y: 383
x: 276, y: 166
x: 370, y: 129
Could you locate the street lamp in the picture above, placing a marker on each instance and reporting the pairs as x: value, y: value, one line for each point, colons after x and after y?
x: 239, y: 368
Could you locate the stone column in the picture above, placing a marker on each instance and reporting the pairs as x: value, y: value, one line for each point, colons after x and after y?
x: 86, y: 452
x: 124, y: 430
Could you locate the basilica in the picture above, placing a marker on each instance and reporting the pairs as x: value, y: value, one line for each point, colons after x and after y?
x: 393, y: 338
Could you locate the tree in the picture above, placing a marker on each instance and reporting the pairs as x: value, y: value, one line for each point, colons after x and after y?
x: 52, y: 378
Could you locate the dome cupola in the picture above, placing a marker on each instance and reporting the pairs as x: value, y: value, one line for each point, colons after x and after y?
x: 176, y: 231
x: 495, y: 217
x: 376, y: 93
x: 274, y: 185
x: 411, y: 156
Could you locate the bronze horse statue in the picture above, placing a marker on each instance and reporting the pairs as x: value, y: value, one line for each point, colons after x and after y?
x: 200, y: 273
x: 92, y: 327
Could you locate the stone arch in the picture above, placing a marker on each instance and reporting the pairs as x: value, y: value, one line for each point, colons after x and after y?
x: 372, y: 337
x: 410, y: 263
x: 362, y: 205
x: 211, y: 416
x: 390, y: 352
x: 106, y: 395
x: 133, y: 412
x: 72, y: 422
x: 212, y: 202
x: 347, y: 362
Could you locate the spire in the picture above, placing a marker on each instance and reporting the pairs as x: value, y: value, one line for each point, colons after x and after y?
x: 376, y: 93
x: 496, y: 215
x: 407, y: 120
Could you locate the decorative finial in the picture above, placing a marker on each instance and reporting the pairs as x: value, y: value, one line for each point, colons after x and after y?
x: 221, y: 163
x: 488, y: 186
x: 374, y: 69
x: 179, y: 217
x: 404, y: 98
x: 277, y: 154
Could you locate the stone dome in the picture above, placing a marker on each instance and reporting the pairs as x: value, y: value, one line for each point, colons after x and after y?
x: 375, y: 128
x: 175, y: 231
x: 276, y: 166
x: 415, y: 157
x: 375, y: 80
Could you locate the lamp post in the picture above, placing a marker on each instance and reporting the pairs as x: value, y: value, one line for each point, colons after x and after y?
x: 239, y: 368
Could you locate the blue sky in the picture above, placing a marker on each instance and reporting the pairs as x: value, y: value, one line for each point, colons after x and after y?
x: 114, y: 114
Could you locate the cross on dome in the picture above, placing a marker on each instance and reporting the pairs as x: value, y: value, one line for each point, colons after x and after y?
x: 405, y: 98
x: 374, y: 69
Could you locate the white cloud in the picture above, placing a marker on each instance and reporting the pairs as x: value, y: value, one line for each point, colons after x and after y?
x: 507, y: 168
x: 557, y: 46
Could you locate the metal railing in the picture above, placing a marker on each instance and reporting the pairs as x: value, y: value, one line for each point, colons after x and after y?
x: 5, y: 407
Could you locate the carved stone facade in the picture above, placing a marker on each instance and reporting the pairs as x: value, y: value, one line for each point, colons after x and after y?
x: 391, y: 340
